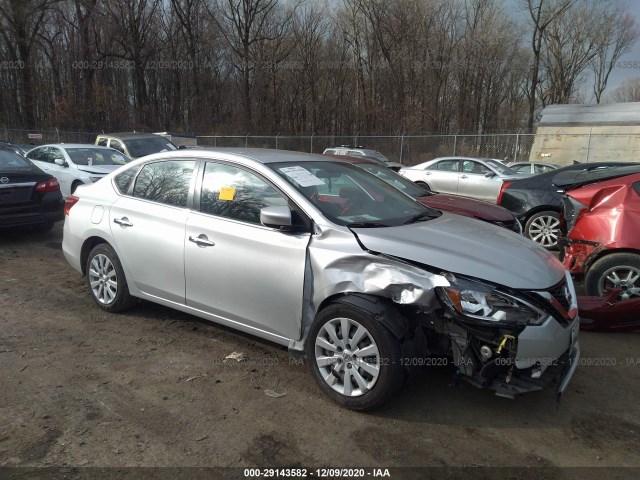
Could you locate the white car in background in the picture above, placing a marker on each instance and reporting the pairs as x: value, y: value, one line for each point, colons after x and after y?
x: 76, y: 164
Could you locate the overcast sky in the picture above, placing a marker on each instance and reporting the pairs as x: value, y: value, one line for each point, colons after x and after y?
x: 620, y: 75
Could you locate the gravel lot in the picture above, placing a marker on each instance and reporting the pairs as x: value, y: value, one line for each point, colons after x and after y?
x: 80, y: 387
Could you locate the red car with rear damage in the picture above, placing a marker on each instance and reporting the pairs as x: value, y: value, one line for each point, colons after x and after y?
x: 603, y: 241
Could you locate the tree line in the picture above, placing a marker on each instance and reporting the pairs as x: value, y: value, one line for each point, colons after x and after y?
x: 302, y: 66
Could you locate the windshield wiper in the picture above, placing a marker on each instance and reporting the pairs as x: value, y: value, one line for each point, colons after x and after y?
x: 366, y: 224
x: 421, y: 216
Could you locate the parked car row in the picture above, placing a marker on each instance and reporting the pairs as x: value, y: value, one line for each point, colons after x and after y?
x: 339, y: 264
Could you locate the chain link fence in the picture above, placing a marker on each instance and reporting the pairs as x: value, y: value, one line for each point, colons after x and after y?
x: 558, y: 148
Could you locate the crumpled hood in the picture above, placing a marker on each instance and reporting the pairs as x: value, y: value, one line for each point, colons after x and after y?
x: 469, y: 247
x: 469, y: 207
x: 98, y: 169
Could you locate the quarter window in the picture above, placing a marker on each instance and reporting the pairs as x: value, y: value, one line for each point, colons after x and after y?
x: 123, y: 180
x: 165, y: 182
x: 234, y: 193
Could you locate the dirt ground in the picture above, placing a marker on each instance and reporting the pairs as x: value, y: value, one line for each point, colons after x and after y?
x: 80, y: 387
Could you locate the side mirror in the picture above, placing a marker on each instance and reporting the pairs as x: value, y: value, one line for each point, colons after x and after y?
x: 276, y: 216
x: 489, y: 174
x: 61, y: 162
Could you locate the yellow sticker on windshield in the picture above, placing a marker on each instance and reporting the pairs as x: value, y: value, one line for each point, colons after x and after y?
x: 227, y: 193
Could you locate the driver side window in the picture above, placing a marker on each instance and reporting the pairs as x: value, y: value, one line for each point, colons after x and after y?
x: 235, y: 193
x: 476, y: 168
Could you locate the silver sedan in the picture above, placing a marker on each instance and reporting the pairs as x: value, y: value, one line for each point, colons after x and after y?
x: 479, y: 178
x: 323, y: 257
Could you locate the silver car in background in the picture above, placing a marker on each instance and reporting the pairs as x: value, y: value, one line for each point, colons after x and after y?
x: 532, y: 167
x: 321, y: 256
x: 479, y: 178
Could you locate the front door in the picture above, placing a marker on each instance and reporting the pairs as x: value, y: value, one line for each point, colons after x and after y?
x: 235, y: 267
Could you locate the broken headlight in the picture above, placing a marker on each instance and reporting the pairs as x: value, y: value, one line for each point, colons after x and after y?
x: 481, y: 302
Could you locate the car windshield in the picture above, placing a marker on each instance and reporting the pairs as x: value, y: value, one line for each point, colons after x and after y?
x: 11, y: 161
x: 348, y: 195
x: 96, y: 156
x: 401, y: 183
x: 501, y: 168
x: 139, y: 147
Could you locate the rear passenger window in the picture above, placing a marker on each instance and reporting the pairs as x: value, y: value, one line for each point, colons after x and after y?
x: 446, y: 165
x: 234, y: 193
x: 636, y: 187
x: 123, y: 180
x: 165, y: 182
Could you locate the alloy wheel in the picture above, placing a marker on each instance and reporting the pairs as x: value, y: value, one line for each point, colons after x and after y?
x: 624, y: 277
x: 544, y: 230
x: 347, y: 357
x: 103, y: 279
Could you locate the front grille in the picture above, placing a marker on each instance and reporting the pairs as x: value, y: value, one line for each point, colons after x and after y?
x: 558, y: 292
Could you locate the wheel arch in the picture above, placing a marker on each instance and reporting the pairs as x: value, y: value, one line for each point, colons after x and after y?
x: 88, y: 245
x: 607, y: 252
x: 381, y: 308
x: 535, y: 210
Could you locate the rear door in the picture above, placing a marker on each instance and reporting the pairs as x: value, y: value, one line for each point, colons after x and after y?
x: 443, y: 176
x: 236, y: 268
x: 148, y: 226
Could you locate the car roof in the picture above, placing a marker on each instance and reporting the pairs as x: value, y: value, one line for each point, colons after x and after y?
x: 72, y: 145
x: 131, y: 135
x: 261, y: 155
x: 578, y: 178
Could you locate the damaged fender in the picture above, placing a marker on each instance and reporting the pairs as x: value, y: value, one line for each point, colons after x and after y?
x: 336, y: 265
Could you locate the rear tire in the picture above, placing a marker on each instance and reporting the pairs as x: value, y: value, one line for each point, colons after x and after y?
x: 544, y: 229
x: 424, y: 185
x: 617, y: 270
x: 106, y: 280
x: 354, y: 359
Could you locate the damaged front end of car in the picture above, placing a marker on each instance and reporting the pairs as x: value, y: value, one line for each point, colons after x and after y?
x: 506, y: 340
x: 510, y: 341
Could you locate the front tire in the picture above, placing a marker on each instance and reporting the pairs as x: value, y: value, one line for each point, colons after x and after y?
x: 354, y: 359
x: 106, y: 280
x: 617, y: 270
x: 544, y: 229
x: 74, y: 186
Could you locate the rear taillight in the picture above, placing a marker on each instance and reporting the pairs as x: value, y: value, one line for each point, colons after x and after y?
x: 69, y: 202
x: 51, y: 185
x: 502, y: 189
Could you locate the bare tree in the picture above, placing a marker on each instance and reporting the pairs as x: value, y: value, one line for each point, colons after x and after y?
x: 616, y: 33
x: 627, y: 92
x: 21, y: 21
x: 542, y: 14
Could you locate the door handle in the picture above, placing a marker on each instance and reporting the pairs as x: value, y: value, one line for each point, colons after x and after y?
x: 427, y: 173
x: 123, y: 222
x: 463, y: 176
x: 201, y: 240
